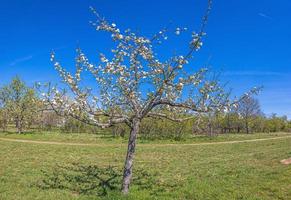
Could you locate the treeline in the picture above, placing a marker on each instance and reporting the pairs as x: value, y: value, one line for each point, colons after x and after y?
x: 21, y: 109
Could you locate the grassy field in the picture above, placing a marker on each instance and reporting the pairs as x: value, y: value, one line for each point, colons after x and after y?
x: 249, y: 170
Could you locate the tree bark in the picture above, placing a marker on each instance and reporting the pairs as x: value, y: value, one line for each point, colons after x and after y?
x: 127, y: 173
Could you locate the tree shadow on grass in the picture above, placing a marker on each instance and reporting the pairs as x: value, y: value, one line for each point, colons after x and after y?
x: 81, y: 179
x: 95, y: 180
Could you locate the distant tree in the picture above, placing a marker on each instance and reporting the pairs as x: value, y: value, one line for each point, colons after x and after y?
x: 211, y: 123
x: 19, y: 103
x: 134, y: 84
x: 275, y: 123
x: 288, y: 128
x: 249, y: 108
x: 48, y: 119
x: 234, y: 120
x: 4, y: 118
x: 227, y: 122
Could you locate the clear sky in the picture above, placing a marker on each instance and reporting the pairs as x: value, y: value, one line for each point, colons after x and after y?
x: 248, y: 40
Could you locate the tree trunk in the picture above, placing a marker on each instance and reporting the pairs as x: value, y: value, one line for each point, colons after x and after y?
x: 18, y: 126
x: 247, y: 127
x: 210, y: 126
x: 127, y: 173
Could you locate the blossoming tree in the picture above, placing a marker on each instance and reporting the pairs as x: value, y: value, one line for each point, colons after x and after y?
x: 133, y: 84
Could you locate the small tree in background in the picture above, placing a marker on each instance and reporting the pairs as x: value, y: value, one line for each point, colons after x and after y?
x: 134, y: 83
x: 249, y: 108
x: 275, y: 123
x: 19, y: 103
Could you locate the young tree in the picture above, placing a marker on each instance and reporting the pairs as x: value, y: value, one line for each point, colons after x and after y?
x: 134, y: 84
x: 19, y: 101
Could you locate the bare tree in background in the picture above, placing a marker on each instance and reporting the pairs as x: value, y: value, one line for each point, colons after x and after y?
x: 249, y: 108
x: 133, y: 84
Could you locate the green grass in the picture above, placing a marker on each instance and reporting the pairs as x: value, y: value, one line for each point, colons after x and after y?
x: 223, y: 171
x: 107, y: 139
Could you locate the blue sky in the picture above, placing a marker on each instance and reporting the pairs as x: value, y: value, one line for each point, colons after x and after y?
x: 248, y: 40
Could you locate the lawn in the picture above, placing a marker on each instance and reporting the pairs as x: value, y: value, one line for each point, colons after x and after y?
x: 250, y: 170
